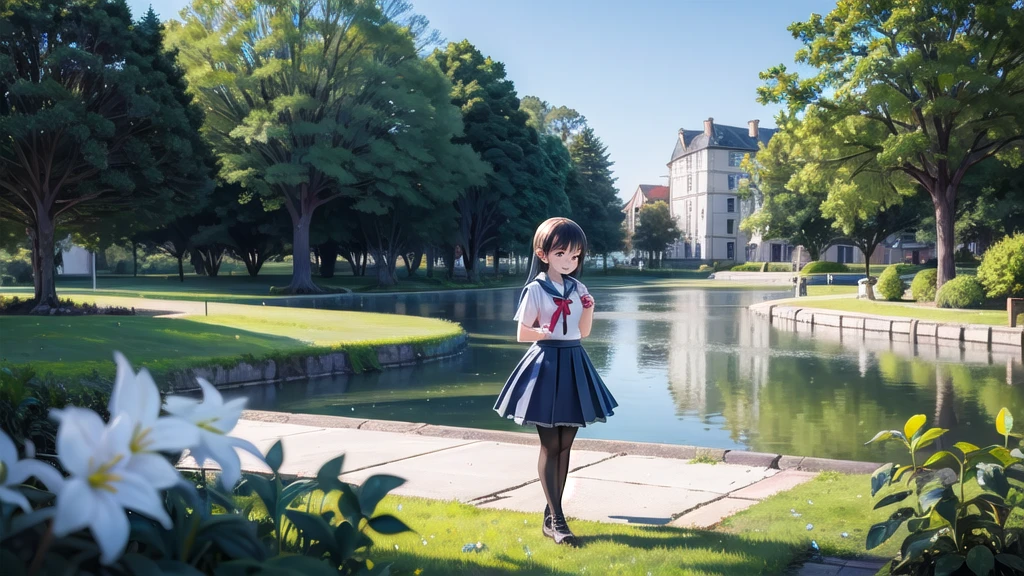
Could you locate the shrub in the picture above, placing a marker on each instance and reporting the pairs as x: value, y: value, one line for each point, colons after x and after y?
x: 923, y: 287
x: 890, y: 286
x: 1002, y: 268
x: 7, y: 280
x: 747, y: 267
x: 779, y: 267
x: 821, y: 267
x: 961, y: 292
x: 705, y: 268
x: 21, y: 271
x: 955, y: 504
x: 965, y: 257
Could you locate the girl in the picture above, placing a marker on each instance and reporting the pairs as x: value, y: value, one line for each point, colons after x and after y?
x: 555, y: 387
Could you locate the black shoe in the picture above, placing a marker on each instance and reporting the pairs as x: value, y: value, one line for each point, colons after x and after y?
x: 561, y: 533
x: 546, y: 525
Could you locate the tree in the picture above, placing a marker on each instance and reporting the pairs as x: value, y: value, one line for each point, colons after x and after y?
x: 925, y: 90
x: 563, y: 122
x: 310, y: 102
x: 520, y: 188
x: 781, y: 211
x: 593, y: 197
x: 243, y: 227
x: 872, y: 229
x: 655, y: 228
x: 96, y: 120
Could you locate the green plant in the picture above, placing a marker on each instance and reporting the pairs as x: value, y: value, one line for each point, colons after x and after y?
x: 961, y: 292
x: 890, y: 286
x: 749, y: 267
x: 922, y: 288
x: 964, y: 257
x: 955, y: 506
x: 777, y: 267
x: 1002, y: 268
x: 705, y: 268
x: 820, y: 267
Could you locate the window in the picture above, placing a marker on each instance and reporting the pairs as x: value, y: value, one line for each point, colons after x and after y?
x: 844, y: 254
x: 729, y: 226
x: 730, y: 249
x: 730, y: 205
x: 689, y: 183
x: 696, y: 251
x: 734, y: 179
x: 698, y: 160
x: 689, y: 163
x: 736, y: 159
x: 701, y: 213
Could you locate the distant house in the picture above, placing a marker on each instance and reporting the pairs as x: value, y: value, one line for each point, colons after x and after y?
x: 644, y: 193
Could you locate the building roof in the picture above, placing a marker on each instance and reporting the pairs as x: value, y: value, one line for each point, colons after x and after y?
x: 730, y: 137
x: 654, y: 192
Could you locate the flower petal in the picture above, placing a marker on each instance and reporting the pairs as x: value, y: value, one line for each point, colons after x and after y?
x: 228, y: 415
x: 8, y: 451
x: 154, y: 469
x: 211, y: 396
x: 221, y: 450
x: 117, y: 439
x: 134, y: 493
x: 16, y: 498
x: 124, y: 397
x: 110, y: 529
x: 180, y: 406
x: 79, y: 432
x: 247, y: 446
x: 171, y: 434
x: 25, y: 469
x: 76, y: 507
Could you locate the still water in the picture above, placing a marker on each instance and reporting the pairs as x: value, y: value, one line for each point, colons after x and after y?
x: 688, y: 366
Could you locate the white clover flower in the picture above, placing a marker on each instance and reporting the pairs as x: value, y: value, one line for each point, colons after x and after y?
x: 215, y: 419
x: 137, y: 398
x: 14, y: 472
x: 102, y: 482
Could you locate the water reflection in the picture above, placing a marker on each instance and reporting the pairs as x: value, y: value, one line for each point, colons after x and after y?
x: 688, y: 367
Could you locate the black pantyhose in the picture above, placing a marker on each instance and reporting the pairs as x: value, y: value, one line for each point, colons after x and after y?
x: 553, y: 465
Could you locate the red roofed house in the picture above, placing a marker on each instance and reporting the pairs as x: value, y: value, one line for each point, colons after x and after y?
x: 644, y: 193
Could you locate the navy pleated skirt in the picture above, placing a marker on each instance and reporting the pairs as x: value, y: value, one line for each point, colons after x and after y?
x: 555, y: 384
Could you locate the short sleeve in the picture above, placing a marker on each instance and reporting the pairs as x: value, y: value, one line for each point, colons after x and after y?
x: 581, y: 288
x: 529, y: 307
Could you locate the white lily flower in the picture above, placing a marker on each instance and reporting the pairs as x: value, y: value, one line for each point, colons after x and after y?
x: 136, y: 397
x: 215, y: 419
x: 102, y: 485
x: 14, y: 472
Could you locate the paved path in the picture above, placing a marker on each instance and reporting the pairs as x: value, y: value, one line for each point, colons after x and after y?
x: 605, y: 486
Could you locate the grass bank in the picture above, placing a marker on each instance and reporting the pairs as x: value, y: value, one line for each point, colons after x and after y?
x: 765, y: 539
x: 907, y: 310
x: 70, y: 347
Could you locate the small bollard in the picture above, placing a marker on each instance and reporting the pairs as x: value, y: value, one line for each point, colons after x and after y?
x: 801, y: 286
x: 1014, y: 307
x: 830, y: 279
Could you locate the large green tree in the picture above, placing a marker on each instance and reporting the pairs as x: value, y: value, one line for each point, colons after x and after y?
x: 655, y: 228
x: 521, y: 187
x: 312, y: 101
x: 593, y: 198
x: 561, y: 121
x: 922, y: 89
x: 96, y: 122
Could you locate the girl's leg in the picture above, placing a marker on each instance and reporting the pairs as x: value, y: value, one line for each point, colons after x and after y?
x: 547, y: 467
x: 566, y: 435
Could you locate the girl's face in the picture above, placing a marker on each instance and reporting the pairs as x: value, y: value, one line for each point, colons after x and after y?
x: 561, y: 260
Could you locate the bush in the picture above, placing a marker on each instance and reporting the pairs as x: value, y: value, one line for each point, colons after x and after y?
x: 890, y: 286
x: 21, y: 271
x: 748, y: 267
x: 7, y: 280
x: 1002, y: 268
x: 820, y: 267
x: 932, y: 497
x: 779, y: 267
x: 705, y: 268
x: 922, y: 289
x: 965, y: 257
x: 961, y: 292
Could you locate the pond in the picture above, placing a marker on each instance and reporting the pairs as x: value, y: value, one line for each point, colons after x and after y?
x: 688, y: 366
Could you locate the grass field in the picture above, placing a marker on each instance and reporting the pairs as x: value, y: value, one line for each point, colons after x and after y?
x: 69, y: 346
x: 765, y: 539
x: 912, y: 310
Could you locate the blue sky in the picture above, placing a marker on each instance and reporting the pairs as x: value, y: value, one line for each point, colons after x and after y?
x: 638, y: 73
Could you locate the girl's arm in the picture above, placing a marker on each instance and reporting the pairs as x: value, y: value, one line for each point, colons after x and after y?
x: 586, y: 322
x: 528, y: 334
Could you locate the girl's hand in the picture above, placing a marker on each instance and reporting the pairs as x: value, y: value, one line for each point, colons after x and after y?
x: 587, y: 300
x: 544, y: 331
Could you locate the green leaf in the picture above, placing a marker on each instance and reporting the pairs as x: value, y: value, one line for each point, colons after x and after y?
x: 965, y: 447
x: 980, y: 560
x: 275, y: 456
x: 139, y: 564
x: 1011, y: 560
x: 313, y: 527
x: 927, y: 438
x: 914, y: 423
x: 892, y: 499
x: 930, y: 497
x: 886, y: 435
x: 940, y: 456
x: 387, y: 524
x: 948, y: 564
x: 881, y: 477
x: 263, y: 488
x: 296, y: 564
x: 328, y: 477
x: 992, y: 478
x: 882, y: 531
x: 947, y: 509
x: 1004, y: 422
x: 374, y: 489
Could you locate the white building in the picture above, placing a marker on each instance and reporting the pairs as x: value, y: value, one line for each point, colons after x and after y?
x: 705, y: 175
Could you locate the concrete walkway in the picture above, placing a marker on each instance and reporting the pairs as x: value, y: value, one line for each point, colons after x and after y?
x: 605, y: 486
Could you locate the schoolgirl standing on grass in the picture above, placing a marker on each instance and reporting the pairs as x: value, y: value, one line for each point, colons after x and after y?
x: 555, y: 387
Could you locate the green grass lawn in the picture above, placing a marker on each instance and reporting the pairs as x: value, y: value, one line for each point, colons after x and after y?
x: 910, y: 310
x: 833, y: 290
x: 765, y: 539
x: 69, y: 346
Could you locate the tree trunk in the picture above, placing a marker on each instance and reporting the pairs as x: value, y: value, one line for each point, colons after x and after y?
x: 431, y: 254
x: 181, y: 267
x: 449, y: 261
x: 497, y: 262
x: 329, y: 259
x: 302, y: 276
x: 605, y: 258
x: 867, y: 273
x: 469, y: 260
x: 36, y: 280
x: 44, y: 264
x: 135, y: 259
x: 945, y: 241
x: 385, y: 271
